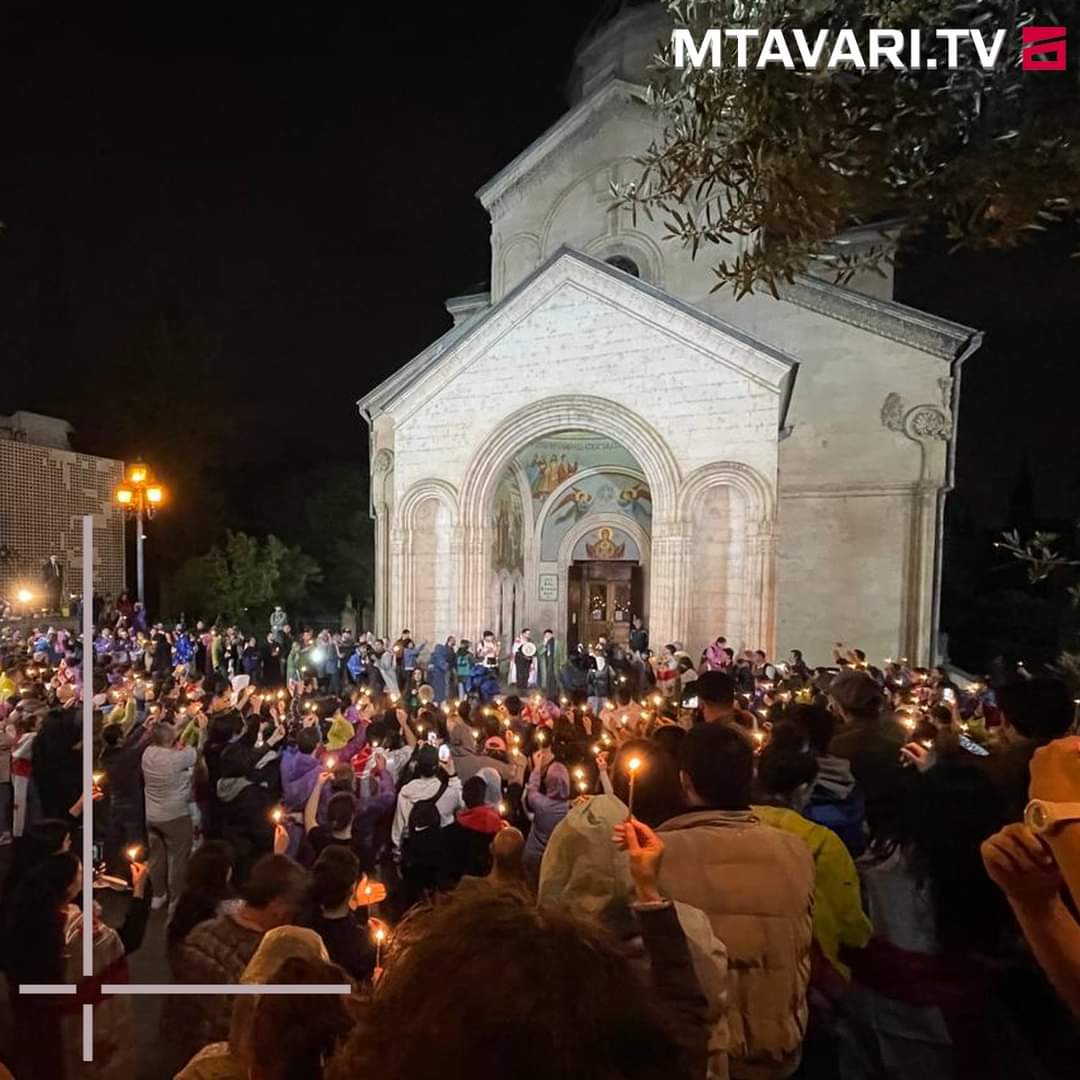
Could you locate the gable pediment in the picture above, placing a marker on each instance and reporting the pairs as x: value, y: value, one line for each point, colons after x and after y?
x: 572, y: 290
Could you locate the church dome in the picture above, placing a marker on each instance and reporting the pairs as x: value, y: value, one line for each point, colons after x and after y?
x: 620, y: 43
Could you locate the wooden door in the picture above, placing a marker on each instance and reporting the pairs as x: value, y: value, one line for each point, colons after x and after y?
x: 606, y: 601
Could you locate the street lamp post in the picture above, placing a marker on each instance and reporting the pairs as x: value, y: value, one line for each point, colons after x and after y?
x: 139, y: 495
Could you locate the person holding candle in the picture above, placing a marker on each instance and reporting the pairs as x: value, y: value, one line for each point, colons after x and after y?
x: 425, y: 807
x: 340, y: 901
x: 45, y: 945
x: 547, y: 801
x: 756, y: 885
x: 121, y: 766
x: 167, y: 770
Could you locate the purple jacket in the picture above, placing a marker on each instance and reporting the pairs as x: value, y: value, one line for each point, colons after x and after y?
x: 298, y: 775
x: 547, y: 810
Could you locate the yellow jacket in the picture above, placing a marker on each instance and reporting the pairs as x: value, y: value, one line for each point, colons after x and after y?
x: 839, y: 918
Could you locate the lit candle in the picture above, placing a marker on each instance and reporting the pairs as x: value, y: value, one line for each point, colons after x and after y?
x: 632, y: 767
x: 380, y: 937
x: 331, y: 761
x: 97, y: 778
x: 133, y: 852
x: 276, y: 815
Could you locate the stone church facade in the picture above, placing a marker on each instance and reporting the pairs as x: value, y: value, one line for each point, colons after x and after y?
x: 601, y: 436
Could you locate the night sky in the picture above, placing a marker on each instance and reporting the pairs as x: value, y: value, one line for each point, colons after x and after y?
x: 224, y: 224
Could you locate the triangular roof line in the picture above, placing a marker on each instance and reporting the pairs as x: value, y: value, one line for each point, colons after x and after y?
x: 568, y: 124
x: 391, y: 389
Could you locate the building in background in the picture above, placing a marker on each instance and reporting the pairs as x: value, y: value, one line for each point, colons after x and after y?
x: 601, y: 436
x: 47, y: 488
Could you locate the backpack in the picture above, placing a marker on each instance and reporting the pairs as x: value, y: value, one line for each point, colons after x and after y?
x: 422, y: 849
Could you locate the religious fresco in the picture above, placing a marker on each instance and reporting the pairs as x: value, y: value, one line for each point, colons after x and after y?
x: 508, y: 552
x: 551, y: 461
x: 606, y: 544
x: 600, y: 493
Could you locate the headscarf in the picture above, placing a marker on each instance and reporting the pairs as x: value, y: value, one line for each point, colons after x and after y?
x: 493, y: 781
x: 277, y: 945
x: 556, y: 782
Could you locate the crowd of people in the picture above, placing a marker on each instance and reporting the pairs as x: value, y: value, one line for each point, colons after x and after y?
x: 618, y: 863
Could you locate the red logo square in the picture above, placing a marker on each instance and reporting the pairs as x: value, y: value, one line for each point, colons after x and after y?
x: 1046, y: 42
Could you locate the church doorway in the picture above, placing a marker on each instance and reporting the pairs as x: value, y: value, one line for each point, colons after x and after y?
x: 602, y: 599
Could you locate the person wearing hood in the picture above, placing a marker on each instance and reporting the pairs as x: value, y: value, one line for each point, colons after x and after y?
x: 440, y: 665
x: 474, y: 827
x: 835, y: 800
x: 231, y: 1058
x: 547, y: 801
x: 584, y: 872
x: 245, y: 811
x: 468, y: 760
x: 300, y: 770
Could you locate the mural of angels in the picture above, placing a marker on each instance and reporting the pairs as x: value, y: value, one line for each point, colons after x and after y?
x: 573, y: 506
x: 636, y: 500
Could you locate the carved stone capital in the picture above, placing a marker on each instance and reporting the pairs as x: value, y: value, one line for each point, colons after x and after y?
x: 919, y: 423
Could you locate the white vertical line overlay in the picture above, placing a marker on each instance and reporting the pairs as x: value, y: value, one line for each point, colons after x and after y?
x: 128, y: 989
x: 88, y: 773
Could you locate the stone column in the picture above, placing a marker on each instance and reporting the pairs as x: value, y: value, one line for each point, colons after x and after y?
x: 919, y: 599
x: 457, y: 571
x: 398, y: 610
x: 382, y: 570
x: 760, y: 611
x: 669, y: 586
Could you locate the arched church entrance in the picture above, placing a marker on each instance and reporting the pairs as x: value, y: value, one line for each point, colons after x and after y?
x: 572, y: 521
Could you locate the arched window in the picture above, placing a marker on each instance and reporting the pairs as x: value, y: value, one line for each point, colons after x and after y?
x: 625, y: 264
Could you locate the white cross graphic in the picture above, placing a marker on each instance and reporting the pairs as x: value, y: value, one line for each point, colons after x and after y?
x: 129, y: 989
